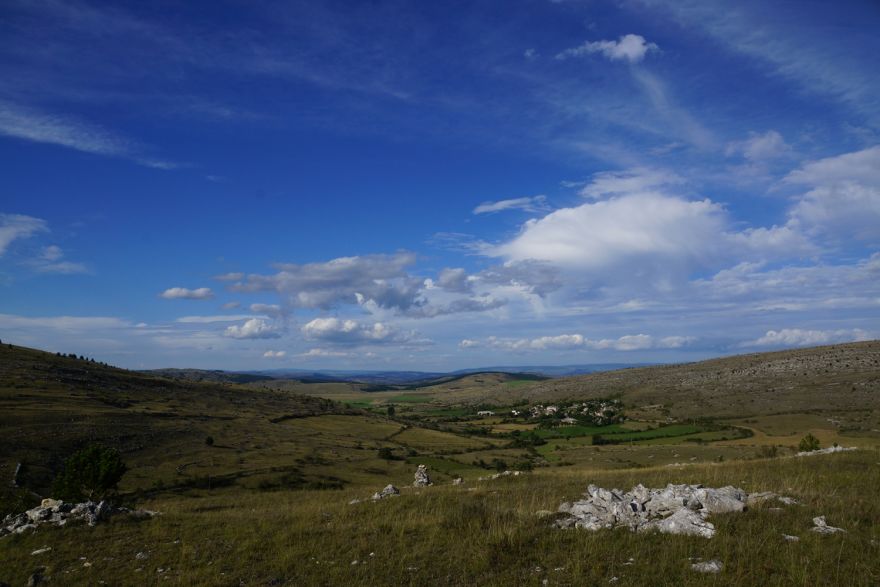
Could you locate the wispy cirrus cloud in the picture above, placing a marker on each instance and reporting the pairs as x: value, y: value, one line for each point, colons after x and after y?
x: 628, y: 342
x: 51, y: 260
x: 215, y: 319
x: 809, y: 56
x: 32, y: 125
x: 527, y: 204
x: 18, y: 226
x: 630, y: 48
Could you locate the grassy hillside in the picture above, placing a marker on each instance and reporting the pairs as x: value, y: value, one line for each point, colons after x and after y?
x: 482, y: 533
x: 840, y: 377
x: 50, y: 406
x: 268, y: 501
x: 202, y: 375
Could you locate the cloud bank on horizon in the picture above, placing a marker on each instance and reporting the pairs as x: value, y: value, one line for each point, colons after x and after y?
x: 638, y: 181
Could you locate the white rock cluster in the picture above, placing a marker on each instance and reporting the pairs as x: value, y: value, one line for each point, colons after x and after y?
x: 499, y: 475
x: 826, y: 451
x: 713, y: 566
x: 58, y: 513
x: 388, y: 491
x: 821, y: 526
x: 675, y: 509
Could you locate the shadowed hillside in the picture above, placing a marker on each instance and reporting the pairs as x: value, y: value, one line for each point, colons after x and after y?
x: 52, y: 405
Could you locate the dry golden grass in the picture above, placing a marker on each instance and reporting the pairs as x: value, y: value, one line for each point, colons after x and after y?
x: 478, y: 534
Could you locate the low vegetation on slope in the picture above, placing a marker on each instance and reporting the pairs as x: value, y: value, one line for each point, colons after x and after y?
x: 480, y: 533
x: 50, y: 406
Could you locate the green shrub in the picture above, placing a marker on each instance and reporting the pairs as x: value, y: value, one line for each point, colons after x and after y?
x: 808, y: 443
x: 93, y: 473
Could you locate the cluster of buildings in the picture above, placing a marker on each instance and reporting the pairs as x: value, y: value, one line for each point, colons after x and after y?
x: 595, y: 412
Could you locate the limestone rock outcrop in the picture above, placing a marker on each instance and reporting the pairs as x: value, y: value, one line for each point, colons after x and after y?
x: 674, y: 509
x: 388, y: 491
x: 58, y: 513
x: 421, y: 477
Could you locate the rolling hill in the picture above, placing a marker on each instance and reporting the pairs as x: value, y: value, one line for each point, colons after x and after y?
x: 836, y: 378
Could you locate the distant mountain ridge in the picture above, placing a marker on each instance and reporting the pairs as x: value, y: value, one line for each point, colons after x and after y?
x: 377, y: 377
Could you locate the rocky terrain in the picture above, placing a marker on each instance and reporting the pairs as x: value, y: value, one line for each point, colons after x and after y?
x: 54, y: 512
x: 675, y: 509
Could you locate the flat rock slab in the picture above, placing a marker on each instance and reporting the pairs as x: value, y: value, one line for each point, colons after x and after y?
x: 712, y: 566
x: 820, y: 526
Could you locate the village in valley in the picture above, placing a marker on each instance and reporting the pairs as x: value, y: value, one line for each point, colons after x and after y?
x: 599, y: 412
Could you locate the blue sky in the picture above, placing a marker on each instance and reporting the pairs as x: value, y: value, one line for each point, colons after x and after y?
x: 436, y: 186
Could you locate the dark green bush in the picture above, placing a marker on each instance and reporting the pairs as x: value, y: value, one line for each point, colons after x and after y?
x: 92, y: 473
x: 808, y: 443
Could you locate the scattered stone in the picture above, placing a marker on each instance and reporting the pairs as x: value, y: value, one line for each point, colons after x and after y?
x: 675, y: 509
x: 790, y: 538
x: 712, y: 566
x: 826, y: 451
x: 499, y: 475
x: 354, y: 501
x: 41, y: 550
x: 58, y: 513
x: 389, y: 491
x: 762, y: 496
x: 457, y: 481
x: 141, y: 556
x: 821, y: 527
x: 421, y: 477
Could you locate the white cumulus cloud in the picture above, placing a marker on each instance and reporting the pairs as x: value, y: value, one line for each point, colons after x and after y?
x: 844, y: 201
x: 182, y: 293
x: 788, y: 337
x: 251, y: 329
x: 347, y: 331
